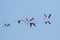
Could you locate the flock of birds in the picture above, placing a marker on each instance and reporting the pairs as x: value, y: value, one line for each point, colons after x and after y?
x: 31, y: 22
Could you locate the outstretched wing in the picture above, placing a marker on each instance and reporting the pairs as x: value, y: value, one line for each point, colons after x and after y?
x: 49, y: 22
x: 31, y: 19
x: 45, y: 15
x: 31, y: 24
x: 49, y: 16
x: 26, y: 19
x: 34, y: 24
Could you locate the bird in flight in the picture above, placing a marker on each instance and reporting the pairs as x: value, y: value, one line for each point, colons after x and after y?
x: 47, y: 19
x: 31, y: 22
x: 7, y: 24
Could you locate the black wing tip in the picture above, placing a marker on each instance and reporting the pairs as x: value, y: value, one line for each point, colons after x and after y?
x: 30, y: 24
x: 44, y: 14
x: 45, y: 22
x: 18, y: 21
x: 49, y: 14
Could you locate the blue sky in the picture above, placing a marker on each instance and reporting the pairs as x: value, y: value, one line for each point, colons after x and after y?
x: 12, y: 10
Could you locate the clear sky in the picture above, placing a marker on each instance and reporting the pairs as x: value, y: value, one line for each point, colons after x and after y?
x: 12, y: 10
